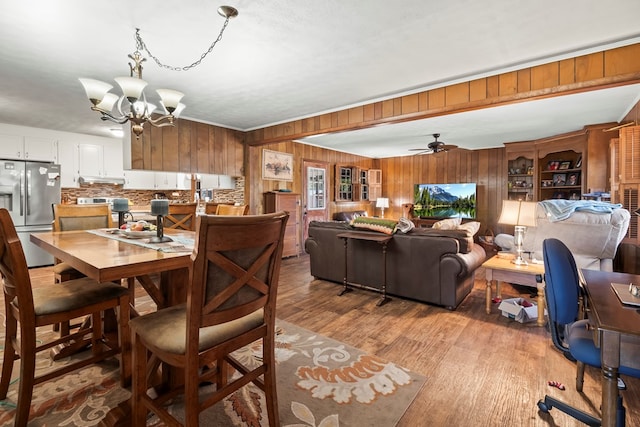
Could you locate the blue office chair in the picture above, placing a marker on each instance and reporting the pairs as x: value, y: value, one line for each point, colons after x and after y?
x: 571, y: 336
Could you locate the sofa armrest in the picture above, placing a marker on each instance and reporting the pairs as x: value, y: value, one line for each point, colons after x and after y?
x: 469, y: 261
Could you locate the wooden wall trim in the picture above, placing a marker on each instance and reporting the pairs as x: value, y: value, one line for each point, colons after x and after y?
x: 600, y: 70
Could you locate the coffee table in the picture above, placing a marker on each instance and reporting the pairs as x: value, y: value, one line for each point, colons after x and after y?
x: 503, y: 270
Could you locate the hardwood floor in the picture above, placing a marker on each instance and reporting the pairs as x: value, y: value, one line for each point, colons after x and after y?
x: 481, y: 370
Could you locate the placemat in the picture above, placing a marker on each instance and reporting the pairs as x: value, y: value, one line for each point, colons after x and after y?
x: 179, y: 244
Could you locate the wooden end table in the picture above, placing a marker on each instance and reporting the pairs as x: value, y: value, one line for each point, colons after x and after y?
x: 503, y: 270
x: 381, y: 239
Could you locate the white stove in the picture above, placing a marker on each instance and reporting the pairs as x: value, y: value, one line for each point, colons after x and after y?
x: 94, y: 200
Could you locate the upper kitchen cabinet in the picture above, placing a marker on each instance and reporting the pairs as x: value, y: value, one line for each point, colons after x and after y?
x: 68, y: 160
x: 101, y: 160
x: 28, y: 148
x: 188, y: 147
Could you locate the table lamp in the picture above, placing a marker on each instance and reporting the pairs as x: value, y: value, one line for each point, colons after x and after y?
x: 382, y: 202
x: 121, y: 206
x: 521, y: 215
x: 160, y: 208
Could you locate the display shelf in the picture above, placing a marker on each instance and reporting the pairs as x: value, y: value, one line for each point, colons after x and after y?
x: 561, y: 176
x: 520, y: 179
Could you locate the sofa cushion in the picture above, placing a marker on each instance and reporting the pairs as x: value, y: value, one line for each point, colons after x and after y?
x: 471, y: 228
x: 447, y: 224
x: 348, y: 216
x: 386, y: 226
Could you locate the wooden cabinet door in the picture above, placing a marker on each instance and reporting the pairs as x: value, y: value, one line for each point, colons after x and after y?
x: 630, y: 155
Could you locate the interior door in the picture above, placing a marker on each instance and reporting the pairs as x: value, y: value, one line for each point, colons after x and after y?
x: 314, y: 197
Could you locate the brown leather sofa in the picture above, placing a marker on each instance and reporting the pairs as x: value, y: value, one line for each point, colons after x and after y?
x: 427, y: 265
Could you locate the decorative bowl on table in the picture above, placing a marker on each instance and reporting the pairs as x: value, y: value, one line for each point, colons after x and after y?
x: 130, y: 234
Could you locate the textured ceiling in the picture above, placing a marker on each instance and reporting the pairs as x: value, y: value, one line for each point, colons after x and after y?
x: 284, y: 59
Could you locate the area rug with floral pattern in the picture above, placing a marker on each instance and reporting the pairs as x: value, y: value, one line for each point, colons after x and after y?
x: 321, y: 382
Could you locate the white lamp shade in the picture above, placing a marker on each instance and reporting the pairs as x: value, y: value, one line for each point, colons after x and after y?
x: 382, y: 202
x: 132, y: 87
x: 107, y: 102
x: 516, y: 212
x: 170, y: 99
x: 95, y: 89
x: 139, y: 107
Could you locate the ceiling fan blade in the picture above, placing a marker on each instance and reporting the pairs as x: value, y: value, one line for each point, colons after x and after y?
x: 445, y: 147
x: 418, y: 149
x: 421, y: 151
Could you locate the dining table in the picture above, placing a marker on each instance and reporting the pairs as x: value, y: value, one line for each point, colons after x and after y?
x: 107, y: 255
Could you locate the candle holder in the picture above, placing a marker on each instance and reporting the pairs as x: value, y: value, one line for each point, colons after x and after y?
x: 160, y: 208
x: 122, y: 207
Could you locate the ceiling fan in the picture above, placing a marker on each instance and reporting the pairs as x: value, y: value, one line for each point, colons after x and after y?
x: 434, y: 147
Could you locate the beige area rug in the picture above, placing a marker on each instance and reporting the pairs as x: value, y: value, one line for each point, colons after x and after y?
x: 321, y: 383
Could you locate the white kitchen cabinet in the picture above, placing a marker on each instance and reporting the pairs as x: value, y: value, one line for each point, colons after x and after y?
x: 217, y: 182
x: 68, y: 160
x: 28, y: 148
x: 112, y: 157
x: 165, y: 180
x: 183, y: 181
x: 139, y: 180
x: 90, y: 160
x: 101, y: 160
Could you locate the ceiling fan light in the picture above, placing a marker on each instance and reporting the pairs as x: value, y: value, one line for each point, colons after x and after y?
x: 95, y: 89
x: 132, y: 87
x: 170, y: 99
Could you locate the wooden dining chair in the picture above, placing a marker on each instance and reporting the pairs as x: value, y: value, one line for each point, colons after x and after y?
x: 231, y: 302
x: 78, y: 217
x: 182, y: 216
x: 27, y: 309
x: 232, y: 209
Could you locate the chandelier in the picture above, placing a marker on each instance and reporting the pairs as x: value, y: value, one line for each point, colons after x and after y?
x: 132, y: 105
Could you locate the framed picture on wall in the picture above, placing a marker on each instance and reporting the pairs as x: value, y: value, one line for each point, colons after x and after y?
x: 277, y: 166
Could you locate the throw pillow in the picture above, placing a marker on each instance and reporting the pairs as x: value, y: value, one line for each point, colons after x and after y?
x: 405, y: 225
x: 447, y: 224
x: 471, y: 228
x: 386, y: 226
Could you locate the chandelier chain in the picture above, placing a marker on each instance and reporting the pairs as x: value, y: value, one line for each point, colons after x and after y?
x: 140, y: 45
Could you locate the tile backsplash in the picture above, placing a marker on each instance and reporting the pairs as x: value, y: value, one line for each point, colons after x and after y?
x: 144, y: 197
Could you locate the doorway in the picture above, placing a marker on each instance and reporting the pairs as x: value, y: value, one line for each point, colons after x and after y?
x: 314, y: 195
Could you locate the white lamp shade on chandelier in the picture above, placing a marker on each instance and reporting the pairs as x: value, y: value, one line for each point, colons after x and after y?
x: 137, y: 110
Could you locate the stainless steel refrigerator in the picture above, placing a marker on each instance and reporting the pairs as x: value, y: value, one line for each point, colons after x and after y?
x: 28, y: 190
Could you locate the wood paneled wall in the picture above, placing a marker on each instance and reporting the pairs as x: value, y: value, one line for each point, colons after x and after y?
x: 300, y: 152
x: 487, y: 168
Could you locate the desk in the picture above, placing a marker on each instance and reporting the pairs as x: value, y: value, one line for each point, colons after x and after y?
x: 612, y: 319
x: 381, y: 239
x: 504, y: 270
